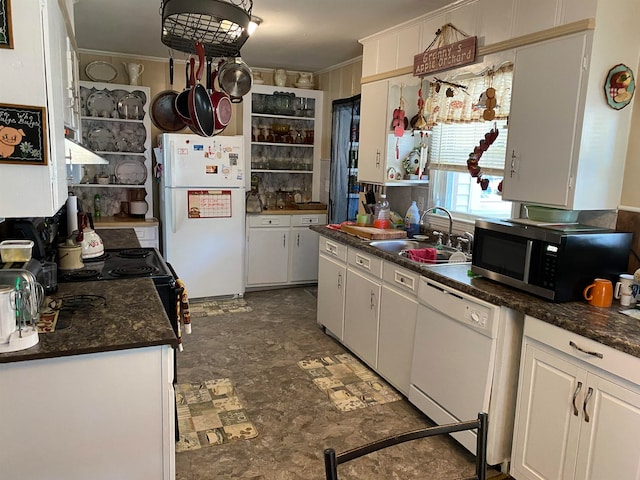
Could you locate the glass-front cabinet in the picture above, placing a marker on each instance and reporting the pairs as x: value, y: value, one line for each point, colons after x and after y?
x: 282, y: 129
x: 116, y: 125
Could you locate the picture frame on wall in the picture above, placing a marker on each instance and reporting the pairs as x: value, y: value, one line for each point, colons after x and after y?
x: 6, y: 38
x: 23, y: 134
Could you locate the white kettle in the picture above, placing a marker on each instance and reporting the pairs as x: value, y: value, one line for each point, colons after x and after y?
x: 91, y: 242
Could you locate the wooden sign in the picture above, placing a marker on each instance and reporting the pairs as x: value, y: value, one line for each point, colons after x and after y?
x: 23, y: 134
x: 445, y: 57
x: 6, y: 40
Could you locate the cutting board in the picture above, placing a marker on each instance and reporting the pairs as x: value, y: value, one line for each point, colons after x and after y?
x: 371, y: 233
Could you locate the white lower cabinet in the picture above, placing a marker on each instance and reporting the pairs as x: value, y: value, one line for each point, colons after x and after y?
x: 101, y: 416
x: 578, y: 409
x: 332, y: 282
x: 398, y: 312
x: 267, y: 250
x: 362, y: 308
x: 281, y: 250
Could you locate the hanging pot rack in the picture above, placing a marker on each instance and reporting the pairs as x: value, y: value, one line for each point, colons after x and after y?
x: 220, y: 25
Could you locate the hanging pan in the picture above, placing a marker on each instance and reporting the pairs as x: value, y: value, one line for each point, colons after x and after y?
x: 182, y: 100
x: 163, y: 110
x: 221, y: 104
x: 234, y: 77
x: 200, y: 107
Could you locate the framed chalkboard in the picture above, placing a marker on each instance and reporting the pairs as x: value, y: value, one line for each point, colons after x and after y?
x: 6, y: 40
x: 23, y: 134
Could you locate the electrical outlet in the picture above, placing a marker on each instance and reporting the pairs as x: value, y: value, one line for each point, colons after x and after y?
x: 420, y: 203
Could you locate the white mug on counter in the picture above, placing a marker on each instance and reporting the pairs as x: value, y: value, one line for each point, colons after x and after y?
x: 626, y: 290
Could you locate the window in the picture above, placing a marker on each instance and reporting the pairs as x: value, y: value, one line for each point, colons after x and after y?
x: 457, y: 127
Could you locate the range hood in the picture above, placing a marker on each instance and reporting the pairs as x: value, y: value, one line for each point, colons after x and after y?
x: 76, y: 154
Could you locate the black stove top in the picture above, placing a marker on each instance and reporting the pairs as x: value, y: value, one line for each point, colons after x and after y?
x: 118, y: 264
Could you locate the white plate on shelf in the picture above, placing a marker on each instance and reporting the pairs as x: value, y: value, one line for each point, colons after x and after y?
x: 131, y: 107
x: 101, y: 140
x: 100, y: 71
x: 131, y: 172
x: 101, y: 104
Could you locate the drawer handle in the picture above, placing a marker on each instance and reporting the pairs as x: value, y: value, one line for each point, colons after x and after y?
x: 372, y: 298
x: 595, y: 354
x: 404, y: 281
x: 363, y: 262
x: 331, y: 248
x: 339, y: 281
x: 575, y: 394
x: 584, y: 405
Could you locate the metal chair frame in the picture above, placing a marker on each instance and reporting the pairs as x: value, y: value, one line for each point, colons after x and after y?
x: 331, y: 460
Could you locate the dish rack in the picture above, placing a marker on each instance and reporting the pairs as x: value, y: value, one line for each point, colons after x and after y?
x: 221, y: 25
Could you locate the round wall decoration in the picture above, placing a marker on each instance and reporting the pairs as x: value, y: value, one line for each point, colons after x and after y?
x: 619, y: 86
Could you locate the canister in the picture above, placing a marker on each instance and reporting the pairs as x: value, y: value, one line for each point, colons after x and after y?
x: 7, y: 313
x: 70, y: 256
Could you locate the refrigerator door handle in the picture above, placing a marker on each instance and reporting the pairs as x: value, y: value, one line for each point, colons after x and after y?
x: 172, y: 214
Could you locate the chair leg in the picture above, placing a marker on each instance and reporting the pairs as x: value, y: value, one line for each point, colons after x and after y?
x: 330, y: 464
x: 481, y: 447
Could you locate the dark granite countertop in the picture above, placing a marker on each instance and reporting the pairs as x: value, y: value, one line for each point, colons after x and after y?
x: 604, y: 325
x: 132, y: 315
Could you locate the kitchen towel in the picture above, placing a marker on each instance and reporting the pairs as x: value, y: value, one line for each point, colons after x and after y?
x: 423, y: 255
x: 347, y: 382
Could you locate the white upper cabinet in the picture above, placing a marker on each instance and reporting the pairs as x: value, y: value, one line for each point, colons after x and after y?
x: 34, y: 74
x: 567, y: 147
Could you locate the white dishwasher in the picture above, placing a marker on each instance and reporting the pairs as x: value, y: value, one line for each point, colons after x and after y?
x: 465, y: 360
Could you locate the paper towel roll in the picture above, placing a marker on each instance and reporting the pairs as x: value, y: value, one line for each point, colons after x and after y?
x: 72, y: 214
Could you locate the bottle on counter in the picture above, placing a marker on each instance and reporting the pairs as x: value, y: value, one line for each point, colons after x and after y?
x: 97, y: 211
x: 412, y: 220
x: 382, y: 213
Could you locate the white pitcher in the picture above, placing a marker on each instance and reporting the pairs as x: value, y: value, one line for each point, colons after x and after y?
x: 134, y: 70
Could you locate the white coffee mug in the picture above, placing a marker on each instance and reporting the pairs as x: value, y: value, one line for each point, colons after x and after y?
x: 625, y: 289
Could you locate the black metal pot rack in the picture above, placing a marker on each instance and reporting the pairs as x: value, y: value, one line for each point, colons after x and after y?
x: 221, y: 25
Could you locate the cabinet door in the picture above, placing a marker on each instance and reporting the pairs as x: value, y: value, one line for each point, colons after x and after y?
x: 373, y: 132
x: 540, y: 164
x: 303, y: 259
x: 267, y: 256
x: 361, y: 317
x: 398, y: 314
x: 547, y: 425
x: 609, y: 440
x: 332, y: 278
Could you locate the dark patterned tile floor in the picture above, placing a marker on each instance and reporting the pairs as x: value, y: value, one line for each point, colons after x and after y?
x: 258, y: 351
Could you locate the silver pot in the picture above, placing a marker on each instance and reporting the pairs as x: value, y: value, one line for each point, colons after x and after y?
x: 235, y: 78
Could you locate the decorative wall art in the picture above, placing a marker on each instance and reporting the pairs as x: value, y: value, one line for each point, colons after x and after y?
x: 619, y: 86
x: 6, y: 40
x: 23, y: 134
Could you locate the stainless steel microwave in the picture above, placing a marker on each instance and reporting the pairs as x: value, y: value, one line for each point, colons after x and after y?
x: 555, y: 262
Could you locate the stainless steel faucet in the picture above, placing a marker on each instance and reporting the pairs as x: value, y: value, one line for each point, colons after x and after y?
x: 437, y: 207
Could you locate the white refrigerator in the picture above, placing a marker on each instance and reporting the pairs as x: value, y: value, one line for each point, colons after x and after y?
x: 202, y: 212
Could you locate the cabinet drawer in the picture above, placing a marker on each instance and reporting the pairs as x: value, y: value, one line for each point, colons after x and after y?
x: 309, y: 219
x: 332, y: 248
x: 365, y: 262
x: 269, y: 221
x: 146, y: 233
x: 395, y: 276
x: 576, y: 346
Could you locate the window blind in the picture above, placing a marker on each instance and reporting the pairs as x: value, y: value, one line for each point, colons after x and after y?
x: 451, y: 143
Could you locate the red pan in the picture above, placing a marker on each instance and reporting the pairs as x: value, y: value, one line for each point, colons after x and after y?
x: 222, y: 105
x: 200, y: 106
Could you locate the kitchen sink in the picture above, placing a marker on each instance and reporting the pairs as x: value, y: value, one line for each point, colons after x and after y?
x: 400, y: 247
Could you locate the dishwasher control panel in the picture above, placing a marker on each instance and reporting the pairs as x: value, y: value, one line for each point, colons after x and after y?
x: 470, y: 311
x: 475, y: 314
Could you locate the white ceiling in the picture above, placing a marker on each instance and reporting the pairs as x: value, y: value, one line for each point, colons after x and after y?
x: 302, y: 35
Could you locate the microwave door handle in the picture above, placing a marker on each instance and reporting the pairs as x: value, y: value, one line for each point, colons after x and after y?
x: 527, y: 262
